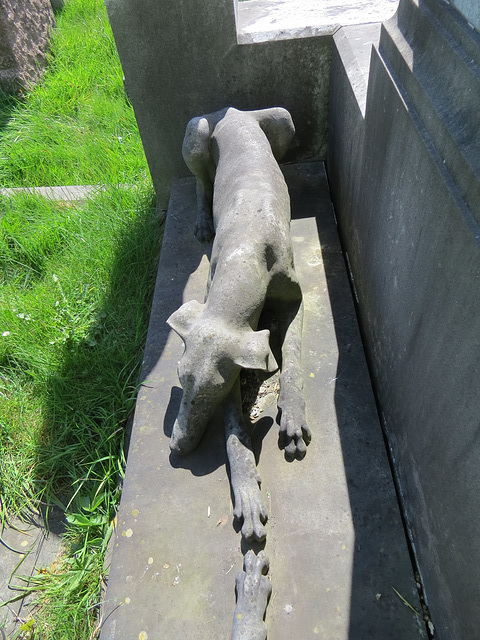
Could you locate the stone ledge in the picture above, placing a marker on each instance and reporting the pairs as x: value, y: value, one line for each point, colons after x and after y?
x: 264, y: 20
x: 77, y: 193
x: 335, y: 537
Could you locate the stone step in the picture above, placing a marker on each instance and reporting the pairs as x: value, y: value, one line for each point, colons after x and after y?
x: 337, y: 548
x: 27, y: 548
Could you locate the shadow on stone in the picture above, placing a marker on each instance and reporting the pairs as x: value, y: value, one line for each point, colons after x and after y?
x: 172, y: 411
x: 210, y: 453
x: 380, y: 557
x: 260, y: 430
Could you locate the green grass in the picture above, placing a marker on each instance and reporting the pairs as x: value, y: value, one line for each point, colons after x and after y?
x: 77, y: 127
x: 76, y: 283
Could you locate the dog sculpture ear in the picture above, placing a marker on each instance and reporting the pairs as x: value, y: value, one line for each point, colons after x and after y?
x: 182, y: 319
x: 255, y: 352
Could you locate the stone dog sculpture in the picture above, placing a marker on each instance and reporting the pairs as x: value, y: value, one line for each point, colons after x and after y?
x: 242, y: 200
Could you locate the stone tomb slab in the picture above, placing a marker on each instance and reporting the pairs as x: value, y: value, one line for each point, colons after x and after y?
x: 338, y: 554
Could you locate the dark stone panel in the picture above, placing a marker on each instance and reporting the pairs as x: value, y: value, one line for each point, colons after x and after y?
x: 435, y: 42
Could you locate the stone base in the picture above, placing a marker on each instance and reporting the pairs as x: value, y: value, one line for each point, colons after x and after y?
x: 264, y: 20
x: 334, y: 538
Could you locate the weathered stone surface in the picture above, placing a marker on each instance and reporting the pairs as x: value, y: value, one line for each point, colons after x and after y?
x: 27, y: 547
x: 188, y: 57
x: 334, y: 538
x: 244, y: 206
x: 448, y: 110
x: 263, y: 20
x: 404, y: 172
x: 24, y: 37
x: 183, y: 58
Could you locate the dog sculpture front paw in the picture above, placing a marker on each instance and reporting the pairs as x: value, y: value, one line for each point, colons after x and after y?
x: 249, y: 507
x: 253, y: 591
x: 295, y: 435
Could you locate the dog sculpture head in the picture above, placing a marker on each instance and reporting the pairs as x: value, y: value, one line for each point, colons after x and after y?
x: 214, y: 354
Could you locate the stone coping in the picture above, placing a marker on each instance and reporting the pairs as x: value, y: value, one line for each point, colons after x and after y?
x: 264, y: 20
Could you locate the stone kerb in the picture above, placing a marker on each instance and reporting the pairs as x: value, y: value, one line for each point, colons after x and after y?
x: 24, y: 37
x: 182, y: 58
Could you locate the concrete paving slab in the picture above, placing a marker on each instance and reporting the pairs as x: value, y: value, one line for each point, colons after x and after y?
x: 335, y: 539
x: 26, y: 547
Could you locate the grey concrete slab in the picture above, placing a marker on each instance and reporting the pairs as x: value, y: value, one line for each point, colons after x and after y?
x: 335, y: 537
x: 26, y: 547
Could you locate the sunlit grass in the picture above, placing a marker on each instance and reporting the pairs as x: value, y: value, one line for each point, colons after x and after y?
x: 74, y: 307
x: 76, y: 281
x: 77, y: 126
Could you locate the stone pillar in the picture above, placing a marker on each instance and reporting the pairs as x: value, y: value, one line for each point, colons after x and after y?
x: 24, y: 36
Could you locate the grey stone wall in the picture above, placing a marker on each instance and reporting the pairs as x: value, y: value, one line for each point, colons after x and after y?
x: 404, y: 171
x: 24, y: 37
x: 182, y: 59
